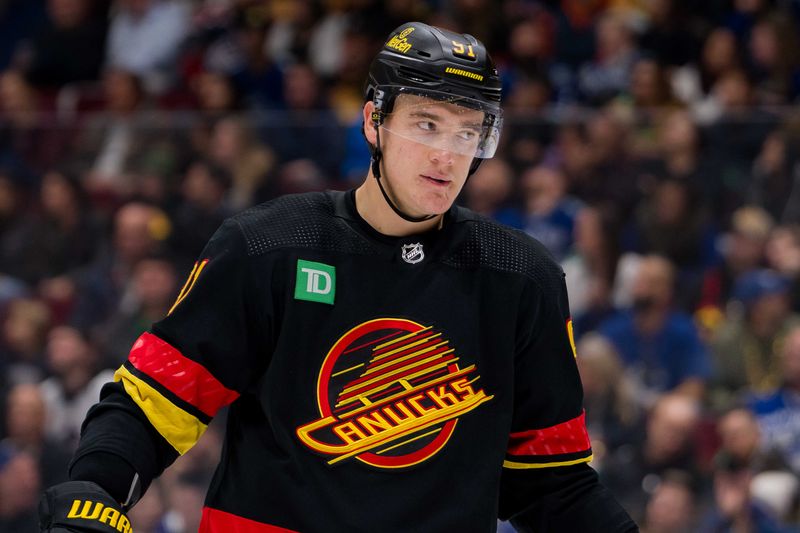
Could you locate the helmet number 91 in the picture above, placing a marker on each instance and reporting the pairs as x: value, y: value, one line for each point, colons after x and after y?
x: 463, y: 50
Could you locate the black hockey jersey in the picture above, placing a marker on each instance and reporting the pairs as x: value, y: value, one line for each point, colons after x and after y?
x: 374, y: 383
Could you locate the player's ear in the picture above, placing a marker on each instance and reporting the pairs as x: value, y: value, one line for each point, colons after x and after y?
x: 369, y: 127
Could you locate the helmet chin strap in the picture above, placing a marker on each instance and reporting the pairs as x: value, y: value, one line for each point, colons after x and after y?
x: 376, y: 171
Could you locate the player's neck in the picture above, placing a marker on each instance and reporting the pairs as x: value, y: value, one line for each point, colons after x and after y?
x: 376, y: 212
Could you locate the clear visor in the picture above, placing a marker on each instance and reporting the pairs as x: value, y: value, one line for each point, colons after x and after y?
x: 445, y: 122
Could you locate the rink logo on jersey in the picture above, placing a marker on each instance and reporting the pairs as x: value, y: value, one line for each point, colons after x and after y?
x: 412, y: 253
x: 390, y: 393
x: 89, y: 510
x: 316, y: 282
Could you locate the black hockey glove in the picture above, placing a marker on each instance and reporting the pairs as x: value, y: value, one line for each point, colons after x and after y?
x: 81, y: 507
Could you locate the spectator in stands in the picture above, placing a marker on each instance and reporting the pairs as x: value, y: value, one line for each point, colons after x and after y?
x: 326, y: 43
x: 692, y: 83
x: 746, y: 347
x: 308, y: 129
x: 527, y: 131
x: 20, y: 487
x: 777, y: 492
x: 235, y: 148
x: 669, y: 445
x: 489, y: 190
x: 19, y: 21
x: 644, y: 103
x: 735, y: 509
x: 25, y: 431
x: 783, y: 255
x: 679, y: 156
x: 151, y: 513
x: 659, y: 345
x: 215, y: 94
x: 673, y: 223
x: 570, y: 151
x: 741, y: 441
x: 24, y: 334
x: 74, y: 386
x: 549, y: 213
x: 201, y: 209
x: 590, y: 268
x: 774, y: 59
x: 70, y: 48
x: 649, y: 90
x: 153, y: 290
x: 735, y: 136
x: 61, y: 237
x: 609, y: 73
x: 777, y: 411
x: 139, y: 231
x: 773, y: 182
x: 673, y: 505
x: 145, y: 37
x: 13, y: 226
x: 289, y: 34
x: 110, y: 140
x: 576, y: 31
x: 614, y: 417
x: 670, y: 35
x: 257, y: 77
x: 533, y: 82
x: 30, y: 140
x: 609, y: 182
x: 742, y: 250
x: 743, y: 16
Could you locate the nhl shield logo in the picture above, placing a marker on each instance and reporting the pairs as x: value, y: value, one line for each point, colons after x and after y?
x: 412, y: 253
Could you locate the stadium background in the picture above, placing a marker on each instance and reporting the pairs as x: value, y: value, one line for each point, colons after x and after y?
x: 652, y: 145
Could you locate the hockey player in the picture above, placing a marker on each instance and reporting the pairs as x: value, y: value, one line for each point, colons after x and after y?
x: 390, y: 362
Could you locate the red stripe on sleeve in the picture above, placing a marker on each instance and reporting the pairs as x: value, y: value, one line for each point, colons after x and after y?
x: 216, y: 521
x: 568, y: 437
x: 185, y: 378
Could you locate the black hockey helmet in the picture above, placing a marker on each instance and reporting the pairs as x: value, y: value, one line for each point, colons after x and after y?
x: 419, y: 56
x: 440, y: 65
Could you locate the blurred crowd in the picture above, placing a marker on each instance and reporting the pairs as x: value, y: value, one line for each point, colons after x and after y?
x: 651, y: 145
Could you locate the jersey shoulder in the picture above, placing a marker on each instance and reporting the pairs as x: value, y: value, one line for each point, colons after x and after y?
x: 489, y: 244
x: 306, y: 220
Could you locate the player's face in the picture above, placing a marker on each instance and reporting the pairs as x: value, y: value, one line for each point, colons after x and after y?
x: 428, y: 147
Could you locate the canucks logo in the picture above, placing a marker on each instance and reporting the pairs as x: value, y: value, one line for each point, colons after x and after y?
x: 390, y: 393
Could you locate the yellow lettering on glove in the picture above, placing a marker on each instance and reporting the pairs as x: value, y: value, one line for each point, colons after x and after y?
x: 89, y: 510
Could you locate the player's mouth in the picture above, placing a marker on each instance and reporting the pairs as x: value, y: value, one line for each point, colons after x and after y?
x: 439, y: 182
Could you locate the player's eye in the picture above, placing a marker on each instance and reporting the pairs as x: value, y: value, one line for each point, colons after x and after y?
x: 426, y: 125
x: 467, y: 135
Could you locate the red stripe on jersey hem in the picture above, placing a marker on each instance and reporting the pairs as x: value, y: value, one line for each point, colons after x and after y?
x: 187, y: 379
x: 216, y: 521
x: 568, y: 437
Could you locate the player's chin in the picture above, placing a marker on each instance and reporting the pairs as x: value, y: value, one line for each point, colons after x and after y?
x: 438, y: 204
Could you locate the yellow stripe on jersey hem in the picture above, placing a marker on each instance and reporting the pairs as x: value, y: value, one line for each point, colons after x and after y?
x: 522, y: 466
x: 178, y: 427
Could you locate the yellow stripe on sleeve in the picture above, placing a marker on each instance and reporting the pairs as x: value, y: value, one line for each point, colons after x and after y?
x: 515, y: 465
x: 189, y: 285
x: 178, y: 427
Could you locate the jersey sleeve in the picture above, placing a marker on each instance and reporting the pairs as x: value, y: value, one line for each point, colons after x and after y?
x: 207, y: 350
x: 548, y: 427
x: 546, y: 483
